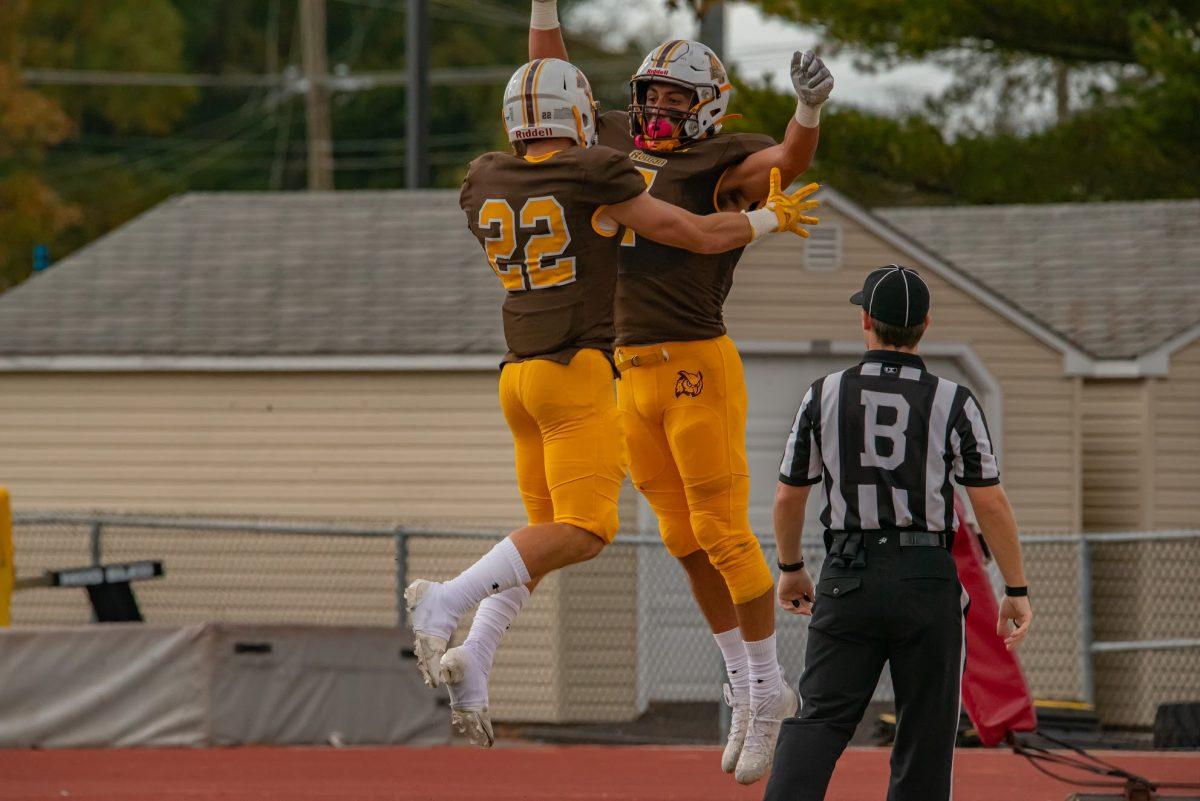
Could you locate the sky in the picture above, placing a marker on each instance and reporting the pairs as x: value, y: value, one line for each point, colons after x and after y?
x: 758, y: 44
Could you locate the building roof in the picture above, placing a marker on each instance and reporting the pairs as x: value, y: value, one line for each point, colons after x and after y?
x: 267, y: 274
x: 1115, y: 279
x: 395, y: 274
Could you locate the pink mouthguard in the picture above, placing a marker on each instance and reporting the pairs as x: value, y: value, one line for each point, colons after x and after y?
x: 657, y: 128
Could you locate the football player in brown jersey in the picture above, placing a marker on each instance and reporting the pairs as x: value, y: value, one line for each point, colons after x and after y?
x: 682, y: 390
x: 548, y: 221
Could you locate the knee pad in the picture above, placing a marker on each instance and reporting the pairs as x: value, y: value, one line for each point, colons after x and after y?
x: 675, y: 528
x: 723, y: 531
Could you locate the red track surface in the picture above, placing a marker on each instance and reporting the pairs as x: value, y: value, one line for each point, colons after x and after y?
x: 571, y: 773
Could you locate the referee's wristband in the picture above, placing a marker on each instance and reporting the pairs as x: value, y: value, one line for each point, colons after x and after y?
x: 1016, y: 592
x: 794, y: 567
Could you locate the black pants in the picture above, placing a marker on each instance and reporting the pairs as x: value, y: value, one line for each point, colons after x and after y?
x: 903, y: 606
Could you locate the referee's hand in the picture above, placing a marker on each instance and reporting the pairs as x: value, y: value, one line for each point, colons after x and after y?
x: 796, y: 592
x: 1020, y: 613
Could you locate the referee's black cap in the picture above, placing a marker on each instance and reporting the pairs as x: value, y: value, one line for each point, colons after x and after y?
x: 894, y: 295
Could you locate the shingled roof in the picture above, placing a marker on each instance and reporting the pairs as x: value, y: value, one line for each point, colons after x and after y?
x: 395, y: 273
x: 267, y: 274
x: 1115, y: 279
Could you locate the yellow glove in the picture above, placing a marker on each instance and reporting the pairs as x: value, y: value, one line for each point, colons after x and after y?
x: 789, y: 209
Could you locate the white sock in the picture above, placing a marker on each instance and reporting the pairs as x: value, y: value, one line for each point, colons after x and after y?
x: 495, y: 614
x: 737, y: 664
x: 499, y: 569
x: 766, y: 679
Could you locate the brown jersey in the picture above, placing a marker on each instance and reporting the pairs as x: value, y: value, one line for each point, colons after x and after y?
x: 536, y: 220
x: 666, y: 294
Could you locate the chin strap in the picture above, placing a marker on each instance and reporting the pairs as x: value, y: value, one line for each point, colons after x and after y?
x: 655, y: 145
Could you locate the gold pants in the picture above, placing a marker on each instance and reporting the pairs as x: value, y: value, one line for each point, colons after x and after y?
x: 570, y: 450
x: 685, y: 424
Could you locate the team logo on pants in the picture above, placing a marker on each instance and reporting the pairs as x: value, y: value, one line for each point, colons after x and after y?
x: 690, y: 384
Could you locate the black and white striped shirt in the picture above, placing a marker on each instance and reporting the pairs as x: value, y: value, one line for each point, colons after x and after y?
x: 885, y: 436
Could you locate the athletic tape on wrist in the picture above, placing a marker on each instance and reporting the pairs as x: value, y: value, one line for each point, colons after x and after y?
x: 762, y: 222
x: 544, y: 16
x: 806, y: 115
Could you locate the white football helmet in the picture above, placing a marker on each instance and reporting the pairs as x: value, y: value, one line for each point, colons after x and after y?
x: 549, y: 97
x: 690, y: 65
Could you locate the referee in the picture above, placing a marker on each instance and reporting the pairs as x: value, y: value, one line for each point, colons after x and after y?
x: 884, y: 437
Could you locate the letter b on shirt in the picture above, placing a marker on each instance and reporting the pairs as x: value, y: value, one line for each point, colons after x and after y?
x: 875, y: 430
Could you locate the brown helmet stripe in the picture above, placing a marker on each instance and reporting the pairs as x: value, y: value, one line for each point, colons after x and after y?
x: 666, y: 51
x: 527, y: 90
x: 541, y: 64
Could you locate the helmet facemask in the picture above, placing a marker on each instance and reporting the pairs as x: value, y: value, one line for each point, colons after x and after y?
x: 663, y: 129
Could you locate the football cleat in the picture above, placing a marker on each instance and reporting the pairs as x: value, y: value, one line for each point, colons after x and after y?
x: 474, y: 724
x: 467, y: 682
x: 758, y: 751
x: 739, y: 722
x: 431, y: 627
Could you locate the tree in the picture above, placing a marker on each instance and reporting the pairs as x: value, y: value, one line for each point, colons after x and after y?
x: 30, y: 123
x: 1126, y: 77
x: 57, y: 191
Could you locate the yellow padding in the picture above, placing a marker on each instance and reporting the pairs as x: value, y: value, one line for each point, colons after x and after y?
x: 7, y: 572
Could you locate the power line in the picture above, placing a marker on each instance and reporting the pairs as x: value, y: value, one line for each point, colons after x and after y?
x: 288, y: 83
x: 220, y: 130
x: 479, y: 12
x: 67, y: 77
x: 283, y: 130
x: 342, y: 145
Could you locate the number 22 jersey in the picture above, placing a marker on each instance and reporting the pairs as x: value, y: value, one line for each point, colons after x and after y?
x: 537, y: 219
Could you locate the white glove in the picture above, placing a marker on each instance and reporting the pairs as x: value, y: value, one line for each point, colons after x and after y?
x: 813, y: 83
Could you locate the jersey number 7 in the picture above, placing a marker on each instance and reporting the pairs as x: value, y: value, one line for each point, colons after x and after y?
x: 629, y: 238
x: 543, y: 264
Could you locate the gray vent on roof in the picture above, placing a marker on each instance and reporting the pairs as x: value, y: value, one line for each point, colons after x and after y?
x: 823, y: 249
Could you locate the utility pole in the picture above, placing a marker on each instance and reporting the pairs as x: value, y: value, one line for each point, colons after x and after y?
x: 320, y: 138
x: 712, y: 26
x: 416, y: 142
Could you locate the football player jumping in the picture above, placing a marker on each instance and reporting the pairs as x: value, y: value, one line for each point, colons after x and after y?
x: 682, y: 393
x: 548, y: 220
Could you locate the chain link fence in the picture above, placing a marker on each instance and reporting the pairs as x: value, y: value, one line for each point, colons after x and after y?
x: 605, y: 642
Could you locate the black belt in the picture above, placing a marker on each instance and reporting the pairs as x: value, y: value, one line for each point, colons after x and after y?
x: 922, y: 539
x: 848, y: 548
x: 906, y: 537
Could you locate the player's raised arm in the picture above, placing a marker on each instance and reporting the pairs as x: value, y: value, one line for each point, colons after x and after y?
x: 545, y: 33
x: 715, y: 233
x: 744, y: 184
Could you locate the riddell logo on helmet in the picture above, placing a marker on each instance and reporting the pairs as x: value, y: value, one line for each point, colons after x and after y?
x: 532, y: 133
x: 657, y: 71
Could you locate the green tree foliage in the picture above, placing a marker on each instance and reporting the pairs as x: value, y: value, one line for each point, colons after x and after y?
x: 53, y: 191
x: 129, y: 147
x: 1075, y: 30
x: 1128, y: 132
x: 30, y: 123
